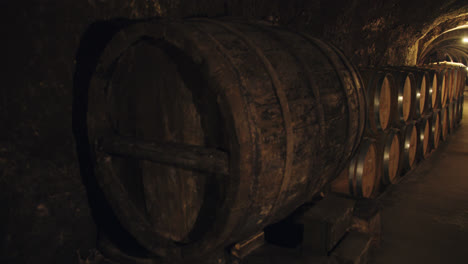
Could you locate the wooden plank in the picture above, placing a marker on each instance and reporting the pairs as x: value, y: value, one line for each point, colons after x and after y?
x: 366, y: 218
x: 325, y: 224
x: 244, y: 248
x: 176, y: 154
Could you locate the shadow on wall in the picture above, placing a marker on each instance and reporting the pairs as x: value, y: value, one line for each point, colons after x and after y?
x: 91, y: 46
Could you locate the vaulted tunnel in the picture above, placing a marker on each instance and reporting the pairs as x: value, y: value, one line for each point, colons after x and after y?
x: 171, y: 131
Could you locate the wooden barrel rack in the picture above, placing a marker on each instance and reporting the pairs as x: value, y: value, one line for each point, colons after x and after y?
x: 426, y: 105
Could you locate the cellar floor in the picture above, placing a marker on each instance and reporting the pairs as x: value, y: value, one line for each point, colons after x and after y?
x: 425, y: 216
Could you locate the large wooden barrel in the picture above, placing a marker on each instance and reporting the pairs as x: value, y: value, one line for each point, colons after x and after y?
x: 390, y: 156
x: 450, y: 84
x: 459, y: 75
x: 455, y: 85
x: 381, y: 99
x: 422, y: 92
x: 461, y: 82
x: 202, y: 132
x: 434, y: 91
x: 405, y: 83
x: 359, y: 178
x: 410, y: 140
x: 444, y: 76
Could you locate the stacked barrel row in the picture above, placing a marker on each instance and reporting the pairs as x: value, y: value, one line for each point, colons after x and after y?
x: 409, y: 110
x: 199, y: 133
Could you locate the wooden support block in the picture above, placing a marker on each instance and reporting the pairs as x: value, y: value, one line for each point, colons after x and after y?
x: 325, y: 224
x: 286, y: 233
x: 366, y: 218
x: 353, y: 249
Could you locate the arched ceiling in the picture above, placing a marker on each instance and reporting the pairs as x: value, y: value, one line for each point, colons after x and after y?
x: 449, y: 43
x: 445, y: 42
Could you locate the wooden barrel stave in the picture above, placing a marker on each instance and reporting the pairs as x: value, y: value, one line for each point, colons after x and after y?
x: 434, y: 90
x: 410, y: 142
x: 406, y: 95
x: 436, y: 128
x: 445, y: 123
x: 365, y: 172
x: 426, y: 136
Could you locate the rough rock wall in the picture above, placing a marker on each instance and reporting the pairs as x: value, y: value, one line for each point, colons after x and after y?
x: 46, y: 217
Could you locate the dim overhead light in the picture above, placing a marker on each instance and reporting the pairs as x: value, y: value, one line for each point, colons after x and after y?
x: 465, y: 40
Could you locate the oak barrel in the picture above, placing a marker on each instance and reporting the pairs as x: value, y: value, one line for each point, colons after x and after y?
x: 445, y: 76
x: 405, y: 83
x: 390, y: 156
x: 436, y: 128
x: 445, y: 122
x: 461, y: 85
x: 359, y: 178
x: 381, y: 98
x: 422, y: 93
x: 456, y: 83
x: 425, y: 136
x: 202, y: 132
x: 451, y: 84
x: 434, y: 91
x: 410, y: 141
x: 461, y: 82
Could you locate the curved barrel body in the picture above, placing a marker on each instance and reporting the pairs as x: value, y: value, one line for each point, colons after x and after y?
x: 390, y: 157
x: 360, y: 177
x: 381, y: 94
x: 203, y: 132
